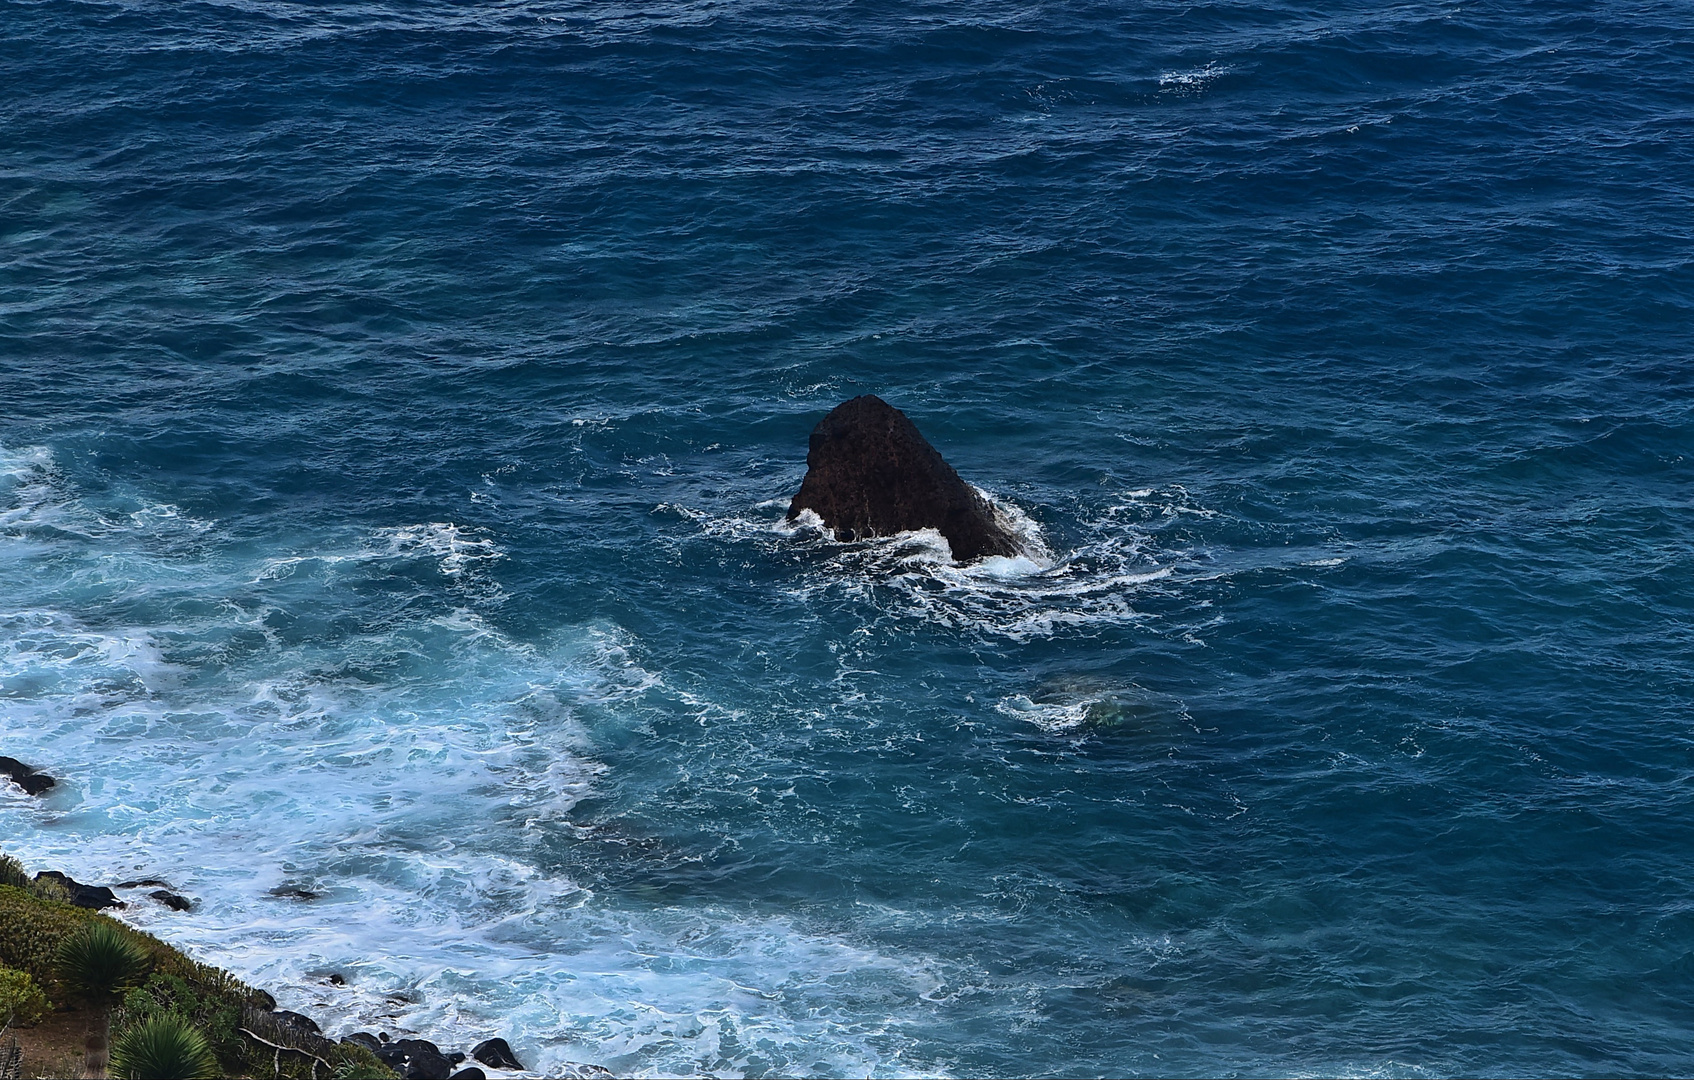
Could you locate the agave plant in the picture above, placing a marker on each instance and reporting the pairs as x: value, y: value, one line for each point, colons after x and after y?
x: 164, y: 1046
x: 100, y: 962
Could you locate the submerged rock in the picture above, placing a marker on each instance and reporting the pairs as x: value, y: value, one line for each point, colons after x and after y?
x: 172, y: 900
x: 869, y: 472
x: 295, y: 892
x: 25, y: 776
x: 496, y: 1053
x: 83, y: 896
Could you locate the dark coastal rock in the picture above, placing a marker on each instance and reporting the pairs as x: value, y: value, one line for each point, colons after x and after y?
x: 426, y: 1067
x: 294, y: 892
x: 869, y: 472
x: 25, y: 776
x: 297, y: 1021
x: 83, y: 896
x: 472, y: 1073
x: 364, y: 1039
x: 496, y: 1053
x: 146, y: 882
x: 415, y: 1059
x: 172, y: 900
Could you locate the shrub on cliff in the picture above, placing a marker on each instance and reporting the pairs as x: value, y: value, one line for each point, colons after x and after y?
x: 31, y: 930
x: 164, y: 1045
x: 21, y: 999
x: 101, y: 961
x: 215, y: 1014
x: 12, y: 873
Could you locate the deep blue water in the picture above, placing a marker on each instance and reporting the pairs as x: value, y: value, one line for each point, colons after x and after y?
x: 398, y: 407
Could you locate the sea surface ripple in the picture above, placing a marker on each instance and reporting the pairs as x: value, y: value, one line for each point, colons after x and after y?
x: 399, y: 403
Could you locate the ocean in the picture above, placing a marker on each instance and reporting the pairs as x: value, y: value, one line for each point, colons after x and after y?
x: 399, y: 409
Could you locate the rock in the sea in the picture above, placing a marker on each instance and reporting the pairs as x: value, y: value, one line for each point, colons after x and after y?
x: 25, y: 776
x: 496, y: 1053
x: 171, y: 900
x: 295, y: 892
x: 472, y: 1073
x: 869, y: 472
x: 84, y: 896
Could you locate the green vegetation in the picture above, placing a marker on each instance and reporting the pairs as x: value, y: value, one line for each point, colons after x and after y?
x: 12, y: 873
x: 214, y: 1013
x: 31, y: 929
x: 100, y: 961
x: 54, y: 955
x: 21, y: 999
x: 164, y: 1045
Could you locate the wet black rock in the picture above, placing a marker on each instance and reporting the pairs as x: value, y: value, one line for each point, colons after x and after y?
x: 83, y: 896
x: 472, y: 1073
x: 415, y: 1059
x: 455, y: 1057
x: 364, y: 1039
x: 297, y: 1021
x: 25, y: 776
x: 337, y: 979
x: 172, y: 900
x: 870, y: 472
x: 295, y: 892
x: 146, y: 882
x: 496, y: 1053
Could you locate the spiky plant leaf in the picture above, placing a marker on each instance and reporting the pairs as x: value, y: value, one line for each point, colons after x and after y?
x: 100, y: 961
x: 163, y: 1047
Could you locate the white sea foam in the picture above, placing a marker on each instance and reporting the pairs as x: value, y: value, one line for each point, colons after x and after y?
x: 232, y: 760
x: 1194, y: 80
x: 1034, y: 594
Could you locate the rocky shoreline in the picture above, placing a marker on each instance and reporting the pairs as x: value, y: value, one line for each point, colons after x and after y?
x: 283, y: 1031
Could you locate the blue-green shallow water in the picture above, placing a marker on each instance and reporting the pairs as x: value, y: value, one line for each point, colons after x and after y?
x: 398, y: 407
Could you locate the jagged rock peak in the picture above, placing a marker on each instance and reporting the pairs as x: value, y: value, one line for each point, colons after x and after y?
x: 870, y: 472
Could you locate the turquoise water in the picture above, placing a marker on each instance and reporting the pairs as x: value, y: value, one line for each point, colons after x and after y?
x: 399, y: 405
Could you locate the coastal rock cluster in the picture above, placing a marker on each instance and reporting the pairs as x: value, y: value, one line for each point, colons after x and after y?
x: 420, y: 1059
x: 870, y: 472
x: 294, y: 1032
x: 27, y: 777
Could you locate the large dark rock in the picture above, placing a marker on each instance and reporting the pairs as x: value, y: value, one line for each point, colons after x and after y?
x: 415, y: 1059
x: 172, y: 900
x: 297, y: 1021
x: 496, y: 1053
x: 25, y: 776
x: 85, y: 896
x: 869, y: 472
x: 364, y: 1039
